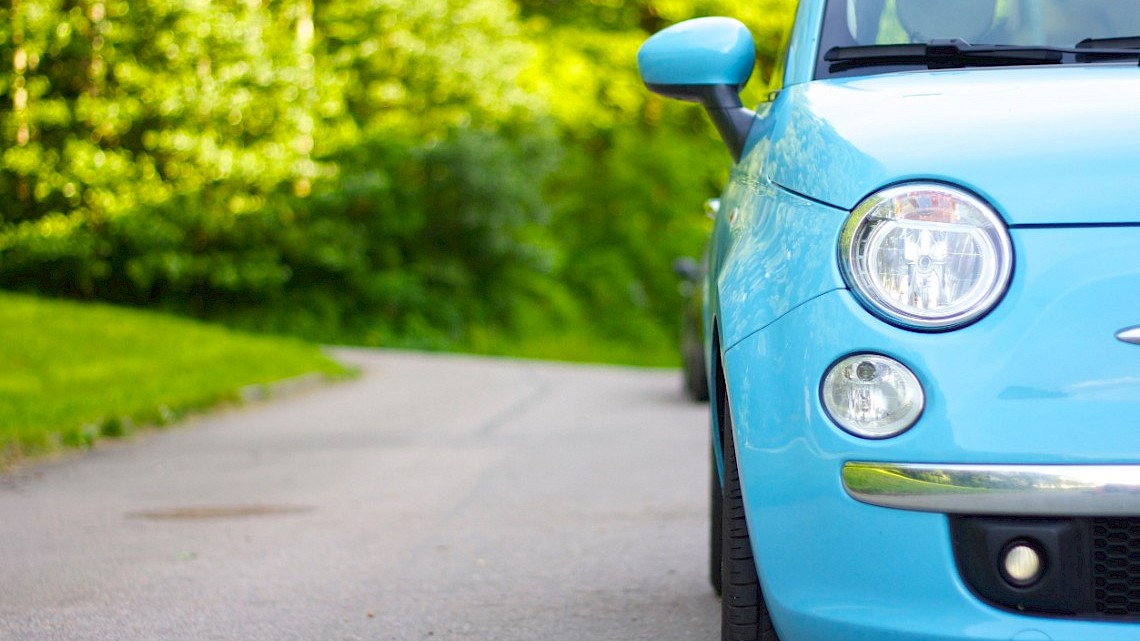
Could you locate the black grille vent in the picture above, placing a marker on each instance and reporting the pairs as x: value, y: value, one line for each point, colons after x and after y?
x: 1116, y: 566
x: 1092, y: 564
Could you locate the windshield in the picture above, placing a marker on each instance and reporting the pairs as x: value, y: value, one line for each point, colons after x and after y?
x: 1049, y: 23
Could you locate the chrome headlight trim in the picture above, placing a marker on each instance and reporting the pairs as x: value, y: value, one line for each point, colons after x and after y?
x: 951, y: 254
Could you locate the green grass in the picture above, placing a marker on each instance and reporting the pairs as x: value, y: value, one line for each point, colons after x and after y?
x: 71, y: 373
x: 534, y: 334
x: 578, y: 345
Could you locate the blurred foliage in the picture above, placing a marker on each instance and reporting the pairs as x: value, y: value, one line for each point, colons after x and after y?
x: 412, y: 172
x: 628, y: 196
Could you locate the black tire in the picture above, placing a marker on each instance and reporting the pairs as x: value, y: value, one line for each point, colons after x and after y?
x: 716, y: 514
x: 744, y: 616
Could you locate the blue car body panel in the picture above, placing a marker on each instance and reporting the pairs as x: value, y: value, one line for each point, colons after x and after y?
x: 763, y: 274
x: 1041, y: 379
x: 1038, y: 381
x: 1046, y: 146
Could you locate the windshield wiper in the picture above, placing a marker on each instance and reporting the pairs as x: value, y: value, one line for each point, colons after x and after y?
x: 955, y: 54
x: 940, y: 54
x: 1129, y: 42
x: 1097, y: 49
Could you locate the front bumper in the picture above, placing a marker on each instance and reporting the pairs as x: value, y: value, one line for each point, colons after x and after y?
x: 835, y: 568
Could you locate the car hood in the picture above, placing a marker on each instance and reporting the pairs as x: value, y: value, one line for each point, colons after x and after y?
x: 1057, y: 145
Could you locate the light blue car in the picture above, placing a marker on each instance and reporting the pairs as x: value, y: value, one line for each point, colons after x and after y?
x: 923, y: 320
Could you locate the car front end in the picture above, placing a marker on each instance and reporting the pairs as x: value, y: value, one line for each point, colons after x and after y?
x: 925, y: 333
x: 1026, y: 432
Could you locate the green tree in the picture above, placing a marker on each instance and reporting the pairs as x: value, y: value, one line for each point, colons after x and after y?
x: 140, y: 132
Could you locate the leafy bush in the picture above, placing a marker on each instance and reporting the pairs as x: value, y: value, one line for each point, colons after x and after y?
x: 413, y: 245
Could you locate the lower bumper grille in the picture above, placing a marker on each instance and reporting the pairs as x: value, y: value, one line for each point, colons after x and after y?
x: 1116, y: 566
x: 1091, y: 565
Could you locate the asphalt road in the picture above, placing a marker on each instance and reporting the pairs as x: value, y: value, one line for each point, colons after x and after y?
x: 437, y: 497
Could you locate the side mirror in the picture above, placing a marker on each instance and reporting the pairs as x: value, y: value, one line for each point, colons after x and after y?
x: 706, y: 60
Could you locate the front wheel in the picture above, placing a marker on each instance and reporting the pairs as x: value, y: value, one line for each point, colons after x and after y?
x: 744, y: 616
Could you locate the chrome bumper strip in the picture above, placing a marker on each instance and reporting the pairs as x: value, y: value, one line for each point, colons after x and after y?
x: 1015, y: 490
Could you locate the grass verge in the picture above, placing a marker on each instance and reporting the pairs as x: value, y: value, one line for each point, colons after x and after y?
x: 643, y: 344
x: 580, y: 347
x: 71, y: 373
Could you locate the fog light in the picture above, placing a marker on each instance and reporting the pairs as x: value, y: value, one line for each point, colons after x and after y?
x: 872, y: 396
x: 1022, y: 564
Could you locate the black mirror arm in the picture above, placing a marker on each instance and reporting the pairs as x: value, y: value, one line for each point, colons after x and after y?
x: 722, y: 102
x: 733, y: 123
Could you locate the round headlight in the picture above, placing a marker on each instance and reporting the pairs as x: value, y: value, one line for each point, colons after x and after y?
x: 872, y: 396
x: 926, y: 256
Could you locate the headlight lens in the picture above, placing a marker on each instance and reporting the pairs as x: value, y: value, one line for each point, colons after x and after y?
x: 872, y: 396
x: 926, y: 256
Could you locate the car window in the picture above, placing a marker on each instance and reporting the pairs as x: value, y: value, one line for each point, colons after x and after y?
x: 1046, y: 23
x: 1060, y: 23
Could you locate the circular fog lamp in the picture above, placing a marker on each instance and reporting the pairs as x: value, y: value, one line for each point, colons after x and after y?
x: 1022, y: 564
x: 872, y: 396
